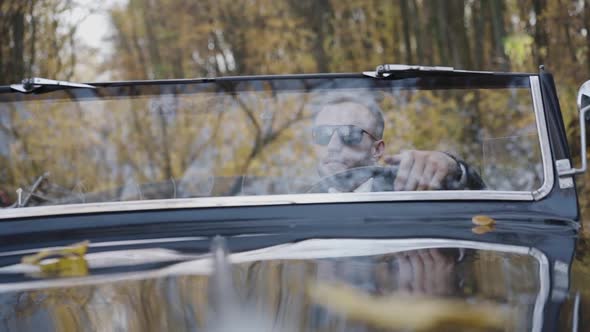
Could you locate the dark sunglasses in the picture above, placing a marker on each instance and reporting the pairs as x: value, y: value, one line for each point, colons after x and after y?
x: 349, y: 134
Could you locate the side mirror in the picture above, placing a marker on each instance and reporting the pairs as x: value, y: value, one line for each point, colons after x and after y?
x: 583, y: 99
x: 583, y: 102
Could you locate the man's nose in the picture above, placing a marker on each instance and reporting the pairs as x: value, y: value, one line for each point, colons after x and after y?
x: 335, y: 143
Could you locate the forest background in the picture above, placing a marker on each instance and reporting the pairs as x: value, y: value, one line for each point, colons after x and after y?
x: 149, y: 39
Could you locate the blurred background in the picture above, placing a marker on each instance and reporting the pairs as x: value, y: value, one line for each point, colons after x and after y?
x: 83, y: 40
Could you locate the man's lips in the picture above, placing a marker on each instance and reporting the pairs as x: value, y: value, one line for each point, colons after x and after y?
x: 331, y: 161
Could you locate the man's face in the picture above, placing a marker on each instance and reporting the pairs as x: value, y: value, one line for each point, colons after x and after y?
x: 336, y: 156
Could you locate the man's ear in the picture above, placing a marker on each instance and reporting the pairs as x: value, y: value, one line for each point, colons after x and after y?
x: 378, y: 149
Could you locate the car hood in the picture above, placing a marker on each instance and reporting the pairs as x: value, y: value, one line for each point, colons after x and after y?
x: 315, y: 284
x: 355, y: 273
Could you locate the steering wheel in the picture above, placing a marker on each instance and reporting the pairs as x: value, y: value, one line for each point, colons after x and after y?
x: 350, y: 179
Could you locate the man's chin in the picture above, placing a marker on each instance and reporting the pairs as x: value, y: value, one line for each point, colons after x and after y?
x: 331, y: 168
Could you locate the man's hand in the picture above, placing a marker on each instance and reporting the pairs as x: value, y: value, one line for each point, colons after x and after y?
x: 425, y: 271
x: 422, y: 170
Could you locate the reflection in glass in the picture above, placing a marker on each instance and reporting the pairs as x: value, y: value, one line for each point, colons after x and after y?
x: 273, y: 292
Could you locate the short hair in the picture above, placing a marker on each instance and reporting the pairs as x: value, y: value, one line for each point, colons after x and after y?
x: 364, y: 98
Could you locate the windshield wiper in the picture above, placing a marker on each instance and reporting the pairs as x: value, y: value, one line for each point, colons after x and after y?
x: 32, y: 84
x: 383, y: 71
x: 402, y: 71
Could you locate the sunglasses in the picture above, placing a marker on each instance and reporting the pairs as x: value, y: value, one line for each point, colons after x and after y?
x: 349, y: 134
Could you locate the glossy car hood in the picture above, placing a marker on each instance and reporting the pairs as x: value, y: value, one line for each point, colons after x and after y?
x: 276, y: 288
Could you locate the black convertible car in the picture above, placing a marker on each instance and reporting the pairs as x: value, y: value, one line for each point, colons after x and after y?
x: 408, y: 198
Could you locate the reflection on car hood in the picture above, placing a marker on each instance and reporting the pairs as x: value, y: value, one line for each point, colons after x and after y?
x: 272, y: 282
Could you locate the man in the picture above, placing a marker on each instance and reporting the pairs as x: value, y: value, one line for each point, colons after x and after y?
x: 348, y: 136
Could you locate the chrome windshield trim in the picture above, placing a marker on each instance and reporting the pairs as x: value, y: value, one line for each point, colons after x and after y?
x: 109, y: 244
x: 548, y: 176
x: 263, y: 200
x: 302, y: 250
x: 544, y: 288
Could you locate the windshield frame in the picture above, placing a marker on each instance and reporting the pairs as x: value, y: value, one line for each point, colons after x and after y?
x: 304, y: 198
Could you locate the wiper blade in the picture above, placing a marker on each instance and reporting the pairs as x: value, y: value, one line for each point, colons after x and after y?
x: 32, y: 84
x: 383, y: 71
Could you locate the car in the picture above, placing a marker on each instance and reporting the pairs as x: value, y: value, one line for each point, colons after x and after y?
x: 247, y: 203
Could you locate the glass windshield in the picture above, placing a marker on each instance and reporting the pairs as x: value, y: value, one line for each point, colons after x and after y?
x: 270, y: 136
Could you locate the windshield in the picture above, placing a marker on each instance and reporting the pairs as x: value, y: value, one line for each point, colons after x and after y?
x: 268, y: 136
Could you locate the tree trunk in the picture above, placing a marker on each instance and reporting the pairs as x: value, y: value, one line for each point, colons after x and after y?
x: 440, y: 30
x: 32, y: 40
x: 418, y: 31
x: 406, y: 21
x: 150, y: 22
x: 459, y: 42
x: 478, y: 36
x: 541, y: 38
x: 18, y: 35
x: 499, y: 33
x: 397, y: 36
x: 428, y: 37
x: 566, y: 31
x: 140, y: 56
x: 318, y: 14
